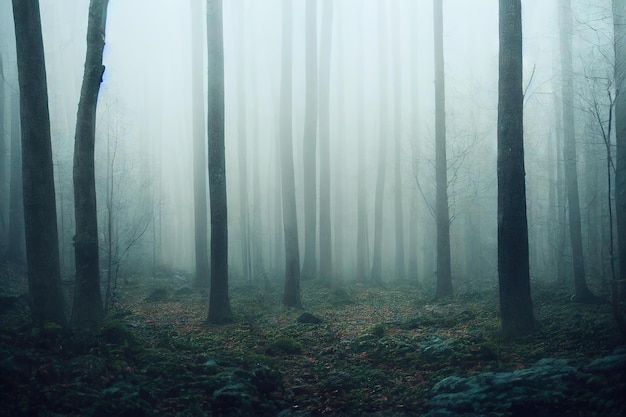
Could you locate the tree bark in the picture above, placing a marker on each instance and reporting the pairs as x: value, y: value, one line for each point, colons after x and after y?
x: 244, y: 226
x: 309, y: 266
x: 291, y: 295
x: 362, y: 245
x: 619, y: 23
x: 15, y: 251
x: 199, y: 149
x: 326, y: 267
x: 397, y: 160
x: 219, y: 303
x: 88, y: 311
x: 513, y: 268
x: 42, y: 242
x: 444, y: 270
x: 582, y: 292
x: 376, y: 274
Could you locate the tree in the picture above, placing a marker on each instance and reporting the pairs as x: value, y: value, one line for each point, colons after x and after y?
x: 87, y: 310
x: 619, y: 24
x: 324, y: 120
x: 309, y: 265
x: 376, y: 274
x: 15, y: 252
x: 362, y: 244
x: 444, y: 270
x: 291, y: 295
x: 246, y: 255
x: 42, y: 242
x: 582, y: 292
x: 199, y: 150
x: 397, y: 161
x: 513, y: 265
x: 219, y: 303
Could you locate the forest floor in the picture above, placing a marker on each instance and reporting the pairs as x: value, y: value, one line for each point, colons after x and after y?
x: 378, y: 351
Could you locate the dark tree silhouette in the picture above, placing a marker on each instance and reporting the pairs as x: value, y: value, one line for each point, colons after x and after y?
x: 40, y: 220
x: 514, y: 278
x: 219, y: 302
x: 87, y: 310
x: 199, y: 150
x: 309, y: 265
x: 291, y: 295
x: 444, y: 269
x: 326, y: 266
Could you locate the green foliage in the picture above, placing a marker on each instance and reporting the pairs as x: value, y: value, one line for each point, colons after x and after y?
x: 157, y: 295
x: 378, y: 330
x: 285, y: 345
x: 114, y: 332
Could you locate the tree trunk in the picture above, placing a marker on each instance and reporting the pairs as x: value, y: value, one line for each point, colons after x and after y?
x: 4, y: 170
x: 362, y: 245
x: 444, y: 270
x: 376, y: 274
x: 309, y: 266
x: 87, y: 311
x: 291, y: 295
x: 619, y: 22
x: 15, y: 251
x: 397, y: 160
x: 219, y: 303
x: 326, y: 267
x: 244, y: 224
x: 199, y: 149
x: 514, y: 278
x: 42, y: 242
x: 582, y: 292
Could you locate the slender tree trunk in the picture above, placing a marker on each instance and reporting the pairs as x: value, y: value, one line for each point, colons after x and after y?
x: 219, y: 303
x: 582, y: 292
x: 397, y: 160
x: 444, y: 270
x: 244, y: 235
x: 619, y: 22
x: 16, y: 204
x: 88, y: 311
x: 326, y: 267
x: 514, y: 278
x: 199, y: 148
x: 42, y: 239
x: 291, y: 295
x: 376, y: 274
x: 4, y: 170
x: 309, y: 266
x: 413, y: 227
x: 362, y: 246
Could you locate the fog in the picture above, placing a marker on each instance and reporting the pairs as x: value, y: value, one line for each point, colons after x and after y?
x: 144, y: 129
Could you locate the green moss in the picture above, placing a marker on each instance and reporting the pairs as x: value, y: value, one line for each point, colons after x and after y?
x: 114, y: 332
x: 378, y: 330
x: 285, y: 345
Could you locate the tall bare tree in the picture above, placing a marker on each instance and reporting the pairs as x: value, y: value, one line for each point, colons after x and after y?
x: 582, y: 292
x: 42, y: 241
x: 376, y: 274
x: 444, y: 269
x: 291, y: 295
x: 619, y: 24
x: 88, y: 311
x: 326, y: 267
x: 309, y: 265
x: 362, y: 244
x: 219, y: 302
x: 397, y: 160
x: 199, y: 148
x: 514, y: 278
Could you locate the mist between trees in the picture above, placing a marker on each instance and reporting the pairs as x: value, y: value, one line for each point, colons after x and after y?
x: 361, y: 120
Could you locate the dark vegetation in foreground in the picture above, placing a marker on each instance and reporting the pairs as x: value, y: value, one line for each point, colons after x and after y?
x: 383, y: 352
